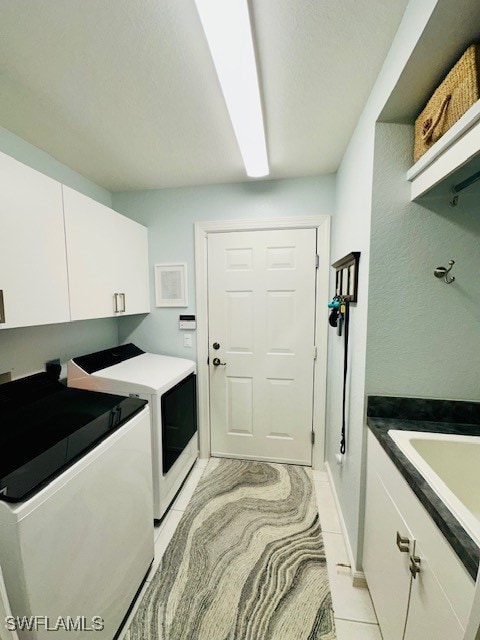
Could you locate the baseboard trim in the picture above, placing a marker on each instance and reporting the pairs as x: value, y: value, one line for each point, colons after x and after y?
x: 358, y: 577
x: 359, y: 580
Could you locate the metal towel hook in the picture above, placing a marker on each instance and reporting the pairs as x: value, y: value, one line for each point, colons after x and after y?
x: 442, y: 272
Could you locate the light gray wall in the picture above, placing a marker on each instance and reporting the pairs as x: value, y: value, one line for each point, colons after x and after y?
x: 351, y: 232
x: 24, y: 351
x: 423, y: 335
x: 170, y: 215
x: 37, y: 159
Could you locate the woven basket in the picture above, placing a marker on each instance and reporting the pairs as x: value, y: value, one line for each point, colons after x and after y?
x: 450, y: 101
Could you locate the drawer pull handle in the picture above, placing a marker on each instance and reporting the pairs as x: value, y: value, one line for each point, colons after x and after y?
x: 2, y: 308
x: 415, y: 566
x: 403, y: 543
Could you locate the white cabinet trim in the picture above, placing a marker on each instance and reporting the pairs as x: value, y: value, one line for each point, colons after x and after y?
x: 454, y: 149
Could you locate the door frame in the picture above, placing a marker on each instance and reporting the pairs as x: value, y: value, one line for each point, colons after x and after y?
x: 321, y: 224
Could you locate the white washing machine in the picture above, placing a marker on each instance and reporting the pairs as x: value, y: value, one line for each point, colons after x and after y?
x: 76, y: 535
x: 169, y: 385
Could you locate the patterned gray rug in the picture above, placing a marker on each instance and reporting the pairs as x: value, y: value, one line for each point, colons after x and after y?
x: 246, y: 562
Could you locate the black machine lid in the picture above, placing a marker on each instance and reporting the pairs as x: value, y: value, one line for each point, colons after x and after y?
x: 102, y: 359
x: 46, y: 427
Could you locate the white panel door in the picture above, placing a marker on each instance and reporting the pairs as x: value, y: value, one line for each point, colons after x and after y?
x: 33, y: 266
x: 261, y: 297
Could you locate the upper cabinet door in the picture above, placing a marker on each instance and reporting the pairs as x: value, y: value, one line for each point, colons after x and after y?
x: 107, y: 260
x: 33, y: 268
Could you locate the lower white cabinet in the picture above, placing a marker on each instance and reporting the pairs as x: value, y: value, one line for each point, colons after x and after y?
x: 430, y: 614
x: 386, y: 558
x: 107, y: 260
x: 419, y: 587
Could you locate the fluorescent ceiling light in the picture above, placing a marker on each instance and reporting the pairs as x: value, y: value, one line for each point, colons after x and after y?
x: 227, y: 28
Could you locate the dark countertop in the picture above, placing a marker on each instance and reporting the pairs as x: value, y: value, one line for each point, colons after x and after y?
x: 459, y: 418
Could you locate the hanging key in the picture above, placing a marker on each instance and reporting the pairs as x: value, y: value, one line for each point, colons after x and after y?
x: 341, y: 318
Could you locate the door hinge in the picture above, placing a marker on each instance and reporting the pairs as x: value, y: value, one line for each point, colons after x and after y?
x: 314, y: 352
x: 313, y: 437
x: 317, y: 261
x: 208, y: 360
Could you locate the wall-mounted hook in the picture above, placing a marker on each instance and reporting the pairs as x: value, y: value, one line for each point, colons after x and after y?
x: 442, y: 272
x: 454, y: 199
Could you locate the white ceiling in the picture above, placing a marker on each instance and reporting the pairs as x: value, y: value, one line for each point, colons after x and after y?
x: 125, y: 92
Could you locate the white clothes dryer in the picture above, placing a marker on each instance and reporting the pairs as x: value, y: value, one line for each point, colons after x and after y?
x: 169, y: 385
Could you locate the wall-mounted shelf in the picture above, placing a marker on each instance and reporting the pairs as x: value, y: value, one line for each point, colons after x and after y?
x: 448, y: 161
x: 346, y: 276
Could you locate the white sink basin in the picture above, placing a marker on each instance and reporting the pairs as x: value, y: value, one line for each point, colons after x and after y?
x: 451, y: 466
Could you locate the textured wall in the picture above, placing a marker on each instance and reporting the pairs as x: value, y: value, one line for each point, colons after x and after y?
x: 170, y: 215
x: 23, y: 351
x: 423, y: 335
x: 350, y: 232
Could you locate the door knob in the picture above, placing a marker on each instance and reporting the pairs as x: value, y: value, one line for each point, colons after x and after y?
x: 217, y: 363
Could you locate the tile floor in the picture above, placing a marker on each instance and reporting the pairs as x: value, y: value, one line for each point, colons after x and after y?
x: 354, y: 614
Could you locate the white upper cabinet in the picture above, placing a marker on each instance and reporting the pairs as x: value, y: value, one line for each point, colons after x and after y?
x: 33, y: 267
x: 107, y: 260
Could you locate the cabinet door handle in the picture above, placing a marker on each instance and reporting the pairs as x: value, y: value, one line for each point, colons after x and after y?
x: 403, y: 543
x: 116, y: 307
x: 415, y: 566
x: 2, y: 308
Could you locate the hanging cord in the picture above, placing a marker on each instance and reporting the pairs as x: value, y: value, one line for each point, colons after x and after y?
x: 345, y: 370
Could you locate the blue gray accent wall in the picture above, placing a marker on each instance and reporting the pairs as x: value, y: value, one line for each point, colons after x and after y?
x: 423, y: 334
x: 170, y: 215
